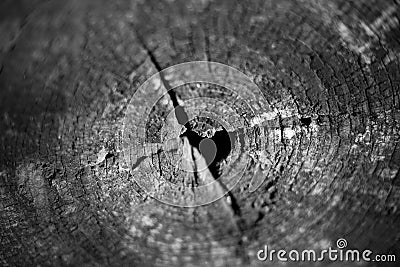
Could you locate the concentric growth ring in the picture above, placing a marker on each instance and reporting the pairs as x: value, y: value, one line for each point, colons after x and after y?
x: 176, y: 169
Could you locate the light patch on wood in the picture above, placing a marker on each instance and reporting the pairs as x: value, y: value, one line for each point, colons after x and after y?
x: 101, y: 155
x: 353, y: 44
x: 376, y: 30
x: 33, y: 185
x: 147, y: 221
x: 272, y: 115
x: 289, y: 133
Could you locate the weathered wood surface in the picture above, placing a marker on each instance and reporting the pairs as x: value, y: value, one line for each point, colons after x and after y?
x: 331, y: 167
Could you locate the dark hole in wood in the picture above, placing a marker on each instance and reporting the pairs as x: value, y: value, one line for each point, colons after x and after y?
x: 222, y: 141
x: 305, y: 121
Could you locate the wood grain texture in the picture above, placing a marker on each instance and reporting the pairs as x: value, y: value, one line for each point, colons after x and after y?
x: 329, y: 162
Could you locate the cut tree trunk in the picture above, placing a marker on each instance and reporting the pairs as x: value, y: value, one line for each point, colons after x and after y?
x: 327, y: 164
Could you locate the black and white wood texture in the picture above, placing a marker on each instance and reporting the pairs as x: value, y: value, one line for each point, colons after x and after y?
x: 330, y: 156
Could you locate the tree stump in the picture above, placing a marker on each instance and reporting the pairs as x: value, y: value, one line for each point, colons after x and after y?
x: 324, y: 154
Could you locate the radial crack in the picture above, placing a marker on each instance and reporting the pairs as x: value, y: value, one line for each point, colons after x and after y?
x: 180, y: 113
x: 230, y: 202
